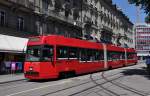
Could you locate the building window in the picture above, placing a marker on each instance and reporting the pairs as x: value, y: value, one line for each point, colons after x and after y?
x: 44, y: 29
x: 45, y: 4
x: 20, y: 23
x: 37, y: 24
x: 62, y: 52
x: 2, y: 18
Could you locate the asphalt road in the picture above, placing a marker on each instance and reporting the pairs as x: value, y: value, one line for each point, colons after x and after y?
x: 127, y: 81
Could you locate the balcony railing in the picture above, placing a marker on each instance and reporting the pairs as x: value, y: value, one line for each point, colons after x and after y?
x: 59, y: 16
x: 23, y: 3
x: 63, y: 18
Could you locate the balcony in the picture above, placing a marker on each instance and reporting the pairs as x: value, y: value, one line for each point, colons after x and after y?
x: 25, y: 5
x: 107, y: 28
x: 58, y: 16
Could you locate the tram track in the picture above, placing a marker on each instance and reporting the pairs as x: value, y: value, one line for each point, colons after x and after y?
x: 109, y: 92
x: 120, y: 85
x: 125, y: 87
x: 82, y: 84
x: 106, y: 89
x: 92, y: 83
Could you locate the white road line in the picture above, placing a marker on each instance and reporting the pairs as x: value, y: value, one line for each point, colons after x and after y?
x: 13, y: 94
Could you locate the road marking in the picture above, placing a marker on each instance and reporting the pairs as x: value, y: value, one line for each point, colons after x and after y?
x: 38, y: 88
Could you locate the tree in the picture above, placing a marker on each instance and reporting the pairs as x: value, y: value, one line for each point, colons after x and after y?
x: 147, y: 19
x: 145, y: 4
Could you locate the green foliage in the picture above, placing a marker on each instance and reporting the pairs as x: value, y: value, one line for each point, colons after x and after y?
x: 145, y: 4
x: 147, y: 19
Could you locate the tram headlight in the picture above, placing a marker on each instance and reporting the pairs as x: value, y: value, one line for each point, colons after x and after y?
x: 30, y: 68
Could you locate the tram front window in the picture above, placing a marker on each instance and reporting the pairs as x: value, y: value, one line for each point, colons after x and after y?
x: 39, y: 53
x: 33, y: 53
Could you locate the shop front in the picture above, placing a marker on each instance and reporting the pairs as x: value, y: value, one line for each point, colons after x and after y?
x: 12, y: 54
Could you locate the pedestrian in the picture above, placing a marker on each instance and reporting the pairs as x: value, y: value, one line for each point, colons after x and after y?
x: 7, y: 66
x: 13, y: 67
x: 19, y: 66
x: 148, y: 64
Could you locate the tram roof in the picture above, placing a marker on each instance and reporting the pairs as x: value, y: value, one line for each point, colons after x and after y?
x: 63, y: 41
x: 112, y: 47
x: 130, y: 50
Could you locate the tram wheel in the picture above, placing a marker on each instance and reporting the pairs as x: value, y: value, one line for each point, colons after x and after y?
x: 64, y: 75
x: 124, y: 65
x: 109, y: 68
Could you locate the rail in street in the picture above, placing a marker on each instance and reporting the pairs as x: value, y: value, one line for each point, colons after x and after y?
x: 117, y: 82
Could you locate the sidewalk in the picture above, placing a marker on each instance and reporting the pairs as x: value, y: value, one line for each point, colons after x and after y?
x: 11, y: 78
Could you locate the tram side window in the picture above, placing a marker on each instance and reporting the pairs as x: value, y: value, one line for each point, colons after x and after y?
x: 95, y: 55
x: 123, y: 55
x: 47, y: 53
x: 87, y: 55
x: 109, y: 55
x: 91, y: 55
x: 83, y: 55
x: 131, y: 55
x: 99, y: 55
x: 115, y: 55
x: 62, y: 52
x: 73, y: 53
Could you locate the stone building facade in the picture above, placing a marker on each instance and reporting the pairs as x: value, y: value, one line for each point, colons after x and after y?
x: 97, y: 20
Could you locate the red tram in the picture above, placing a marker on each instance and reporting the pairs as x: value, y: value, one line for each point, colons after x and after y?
x: 55, y: 56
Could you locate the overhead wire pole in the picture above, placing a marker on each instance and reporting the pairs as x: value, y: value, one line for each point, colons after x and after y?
x: 136, y: 22
x: 81, y: 19
x: 138, y: 14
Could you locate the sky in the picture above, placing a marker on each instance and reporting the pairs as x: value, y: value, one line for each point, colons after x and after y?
x: 130, y: 10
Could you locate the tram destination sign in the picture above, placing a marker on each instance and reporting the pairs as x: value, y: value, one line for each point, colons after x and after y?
x: 34, y: 39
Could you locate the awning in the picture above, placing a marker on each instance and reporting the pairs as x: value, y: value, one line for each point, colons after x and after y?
x: 12, y: 44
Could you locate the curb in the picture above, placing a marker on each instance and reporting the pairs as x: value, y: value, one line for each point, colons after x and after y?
x: 12, y: 81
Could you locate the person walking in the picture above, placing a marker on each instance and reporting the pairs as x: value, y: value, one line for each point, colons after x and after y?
x: 13, y: 67
x: 7, y: 66
x: 148, y: 64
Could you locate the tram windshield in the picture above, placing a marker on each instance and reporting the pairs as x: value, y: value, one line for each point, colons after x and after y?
x: 39, y: 53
